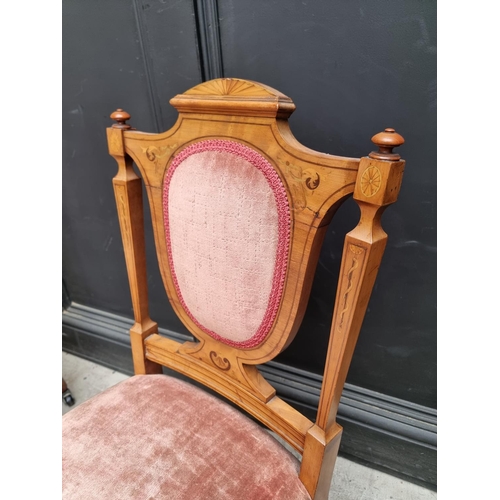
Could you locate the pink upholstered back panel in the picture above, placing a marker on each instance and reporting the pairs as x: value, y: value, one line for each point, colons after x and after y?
x: 227, y: 225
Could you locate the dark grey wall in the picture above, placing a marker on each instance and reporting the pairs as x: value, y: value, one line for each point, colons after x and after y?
x: 352, y: 69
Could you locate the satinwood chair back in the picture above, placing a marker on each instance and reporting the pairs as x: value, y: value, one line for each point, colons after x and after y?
x: 239, y: 210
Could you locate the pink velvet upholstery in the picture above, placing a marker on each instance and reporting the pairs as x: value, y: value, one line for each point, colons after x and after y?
x: 155, y: 437
x: 227, y: 225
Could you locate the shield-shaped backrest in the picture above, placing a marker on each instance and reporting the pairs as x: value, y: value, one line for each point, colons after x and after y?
x: 239, y: 211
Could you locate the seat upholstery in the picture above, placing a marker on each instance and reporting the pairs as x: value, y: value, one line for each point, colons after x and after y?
x: 157, y: 437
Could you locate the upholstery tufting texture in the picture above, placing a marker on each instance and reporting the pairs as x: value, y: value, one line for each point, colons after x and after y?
x: 227, y: 225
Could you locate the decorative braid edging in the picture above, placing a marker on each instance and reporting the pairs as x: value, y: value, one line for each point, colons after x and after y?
x: 283, y: 209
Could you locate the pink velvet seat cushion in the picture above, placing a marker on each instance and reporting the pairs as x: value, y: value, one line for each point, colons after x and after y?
x: 156, y: 437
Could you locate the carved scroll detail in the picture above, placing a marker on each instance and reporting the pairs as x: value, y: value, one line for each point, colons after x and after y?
x: 355, y: 249
x: 346, y: 304
x: 304, y: 181
x: 123, y: 209
x: 220, y: 362
x: 154, y: 153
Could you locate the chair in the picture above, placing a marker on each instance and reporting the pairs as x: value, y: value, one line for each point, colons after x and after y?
x: 239, y: 209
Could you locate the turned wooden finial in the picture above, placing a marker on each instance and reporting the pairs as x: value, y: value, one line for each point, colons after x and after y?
x: 121, y: 117
x: 386, y: 141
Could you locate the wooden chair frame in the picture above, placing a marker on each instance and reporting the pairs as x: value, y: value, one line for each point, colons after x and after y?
x: 316, y: 185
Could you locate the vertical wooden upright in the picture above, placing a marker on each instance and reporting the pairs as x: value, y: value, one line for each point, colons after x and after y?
x: 128, y: 193
x: 377, y: 186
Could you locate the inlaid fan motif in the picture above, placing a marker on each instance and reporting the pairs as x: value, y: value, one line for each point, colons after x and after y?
x: 229, y: 87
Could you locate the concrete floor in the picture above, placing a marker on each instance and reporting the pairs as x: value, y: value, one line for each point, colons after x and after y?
x: 351, y: 481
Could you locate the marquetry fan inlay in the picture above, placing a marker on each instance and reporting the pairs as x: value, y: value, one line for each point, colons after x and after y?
x: 371, y: 181
x: 229, y: 87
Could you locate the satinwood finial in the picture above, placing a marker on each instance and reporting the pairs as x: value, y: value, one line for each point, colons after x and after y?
x: 386, y: 141
x: 121, y: 117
